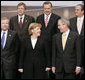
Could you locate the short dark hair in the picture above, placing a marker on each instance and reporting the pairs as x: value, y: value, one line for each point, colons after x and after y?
x: 47, y: 2
x: 20, y: 4
x: 82, y: 6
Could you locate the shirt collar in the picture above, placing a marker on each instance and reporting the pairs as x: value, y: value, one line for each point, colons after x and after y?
x: 20, y: 16
x: 81, y: 18
x: 67, y: 32
x: 4, y: 31
x: 48, y: 15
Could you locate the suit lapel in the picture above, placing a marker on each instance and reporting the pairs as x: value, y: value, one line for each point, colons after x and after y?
x: 60, y: 42
x: 8, y: 39
x: 36, y: 45
x: 43, y: 20
x: 50, y: 20
x: 75, y: 24
x: 68, y: 41
x: 82, y: 27
x: 16, y: 21
x: 24, y: 22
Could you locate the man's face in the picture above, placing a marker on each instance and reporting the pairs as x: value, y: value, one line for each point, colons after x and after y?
x: 78, y: 11
x: 21, y: 10
x: 62, y: 27
x: 4, y: 25
x: 47, y: 9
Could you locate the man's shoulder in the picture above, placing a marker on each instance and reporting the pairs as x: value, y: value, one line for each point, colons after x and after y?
x: 12, y: 32
x: 57, y: 35
x: 41, y: 15
x: 73, y: 33
x: 74, y: 18
x: 55, y: 15
x: 14, y: 17
x: 28, y: 16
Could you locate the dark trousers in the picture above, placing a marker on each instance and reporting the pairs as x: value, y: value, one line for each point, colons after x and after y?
x: 8, y: 73
x: 34, y: 72
x: 65, y: 76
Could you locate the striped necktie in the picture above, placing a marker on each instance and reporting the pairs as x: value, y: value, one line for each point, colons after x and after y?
x: 46, y: 21
x: 2, y: 40
x: 20, y: 23
x: 63, y: 41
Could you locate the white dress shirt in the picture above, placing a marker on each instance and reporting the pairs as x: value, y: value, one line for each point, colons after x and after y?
x: 20, y: 17
x: 46, y: 16
x: 80, y: 23
x: 6, y: 32
x: 33, y: 41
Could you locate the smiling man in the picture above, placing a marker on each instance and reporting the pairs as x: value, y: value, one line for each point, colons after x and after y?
x: 48, y: 20
x: 9, y: 45
x: 66, y: 52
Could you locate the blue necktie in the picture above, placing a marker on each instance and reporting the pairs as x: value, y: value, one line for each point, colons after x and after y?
x: 2, y: 40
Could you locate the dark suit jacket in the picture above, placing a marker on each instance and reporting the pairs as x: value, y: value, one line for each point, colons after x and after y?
x: 51, y: 27
x: 39, y: 56
x: 14, y: 25
x: 8, y: 54
x: 73, y: 27
x: 69, y: 58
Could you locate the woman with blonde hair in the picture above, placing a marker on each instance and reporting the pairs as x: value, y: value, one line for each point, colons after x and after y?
x: 35, y: 57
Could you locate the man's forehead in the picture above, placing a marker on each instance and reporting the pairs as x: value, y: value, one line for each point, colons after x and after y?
x: 78, y: 7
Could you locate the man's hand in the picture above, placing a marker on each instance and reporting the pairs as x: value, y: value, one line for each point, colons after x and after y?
x: 77, y: 70
x: 20, y: 70
x: 47, y: 69
x: 53, y: 70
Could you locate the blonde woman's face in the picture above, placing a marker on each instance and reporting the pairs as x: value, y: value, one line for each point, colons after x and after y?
x: 36, y: 31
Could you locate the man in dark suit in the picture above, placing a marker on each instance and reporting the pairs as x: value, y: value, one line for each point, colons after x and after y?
x: 77, y: 25
x: 9, y: 44
x: 48, y: 21
x: 21, y: 22
x: 66, y: 53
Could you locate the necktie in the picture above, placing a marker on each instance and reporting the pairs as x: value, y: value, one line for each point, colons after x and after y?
x: 79, y: 26
x: 63, y: 41
x: 46, y: 21
x: 2, y: 40
x: 20, y: 23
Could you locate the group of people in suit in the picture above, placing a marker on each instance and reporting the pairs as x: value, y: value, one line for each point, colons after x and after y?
x: 48, y: 47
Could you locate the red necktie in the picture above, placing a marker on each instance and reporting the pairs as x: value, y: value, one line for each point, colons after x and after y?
x: 46, y: 21
x: 20, y: 23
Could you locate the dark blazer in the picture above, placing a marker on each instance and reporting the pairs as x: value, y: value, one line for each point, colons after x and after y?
x: 34, y: 61
x: 14, y: 25
x: 73, y: 27
x: 51, y: 27
x: 8, y: 55
x: 68, y: 59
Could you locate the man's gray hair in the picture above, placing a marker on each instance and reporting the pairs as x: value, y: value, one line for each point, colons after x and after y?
x: 65, y: 21
x: 5, y: 18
